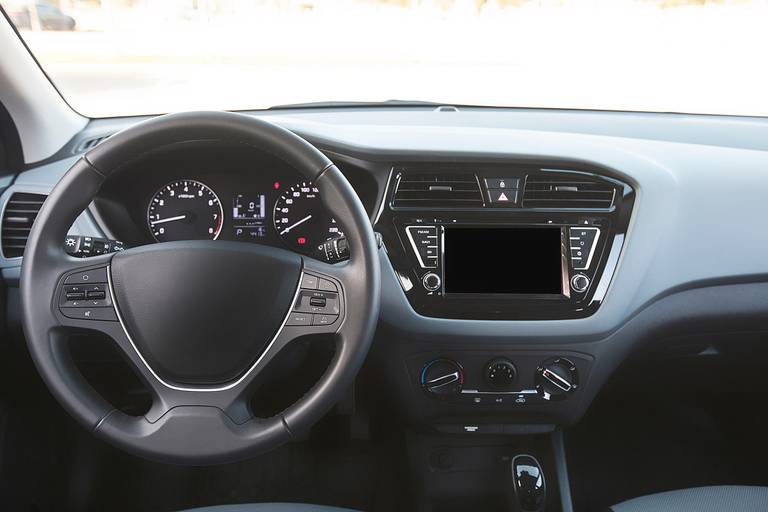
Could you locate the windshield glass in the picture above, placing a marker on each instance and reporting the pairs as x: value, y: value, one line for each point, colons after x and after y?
x: 128, y: 57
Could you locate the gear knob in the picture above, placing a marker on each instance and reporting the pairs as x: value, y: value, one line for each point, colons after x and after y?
x: 530, y: 489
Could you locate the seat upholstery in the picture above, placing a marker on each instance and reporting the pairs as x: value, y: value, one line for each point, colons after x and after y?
x: 701, y: 499
x: 270, y: 507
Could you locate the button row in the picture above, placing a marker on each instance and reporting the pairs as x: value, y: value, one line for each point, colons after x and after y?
x: 310, y: 282
x: 582, y: 244
x: 82, y: 296
x: 523, y: 397
x: 83, y: 246
x: 424, y: 243
x: 299, y: 318
x: 503, y: 191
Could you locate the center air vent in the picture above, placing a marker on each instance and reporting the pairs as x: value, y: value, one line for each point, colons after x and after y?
x: 567, y: 191
x: 430, y: 190
x: 20, y: 212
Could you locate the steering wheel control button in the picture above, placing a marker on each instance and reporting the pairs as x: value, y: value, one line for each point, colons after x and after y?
x: 103, y: 314
x: 296, y: 318
x: 324, y: 319
x: 74, y: 294
x: 319, y: 302
x: 323, y: 303
x: 96, y: 294
x: 326, y: 285
x: 96, y: 275
x: 579, y: 283
x: 500, y: 374
x: 309, y: 282
x: 431, y: 282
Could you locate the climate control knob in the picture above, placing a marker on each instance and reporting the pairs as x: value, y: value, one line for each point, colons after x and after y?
x: 500, y: 374
x: 431, y: 282
x: 442, y: 377
x: 556, y: 378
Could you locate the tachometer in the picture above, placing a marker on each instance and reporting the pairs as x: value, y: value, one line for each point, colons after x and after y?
x: 301, y: 219
x: 185, y: 210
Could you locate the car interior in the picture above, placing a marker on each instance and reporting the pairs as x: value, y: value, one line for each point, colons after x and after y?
x: 374, y: 305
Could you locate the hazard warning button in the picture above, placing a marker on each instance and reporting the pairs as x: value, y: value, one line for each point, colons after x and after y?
x: 499, y: 197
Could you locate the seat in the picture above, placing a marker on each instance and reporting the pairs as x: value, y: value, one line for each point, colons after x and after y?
x: 269, y: 507
x: 701, y: 499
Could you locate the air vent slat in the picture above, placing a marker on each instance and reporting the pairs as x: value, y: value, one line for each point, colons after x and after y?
x: 565, y: 191
x: 436, y: 190
x: 19, y: 215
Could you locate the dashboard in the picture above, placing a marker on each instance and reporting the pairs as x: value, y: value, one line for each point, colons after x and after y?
x: 495, y: 307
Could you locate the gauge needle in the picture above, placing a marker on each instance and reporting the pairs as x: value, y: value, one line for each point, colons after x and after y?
x: 302, y: 221
x: 169, y: 219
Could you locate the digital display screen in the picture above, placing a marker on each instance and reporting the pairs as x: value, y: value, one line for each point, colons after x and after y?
x: 248, y: 214
x: 503, y: 260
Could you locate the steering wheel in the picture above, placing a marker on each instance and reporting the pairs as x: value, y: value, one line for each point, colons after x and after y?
x: 198, y: 320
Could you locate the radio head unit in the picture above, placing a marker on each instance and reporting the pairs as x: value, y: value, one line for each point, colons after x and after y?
x: 504, y: 242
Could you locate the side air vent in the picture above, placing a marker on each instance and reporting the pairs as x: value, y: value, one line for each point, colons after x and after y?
x: 19, y: 214
x: 430, y: 190
x: 91, y: 143
x: 567, y: 191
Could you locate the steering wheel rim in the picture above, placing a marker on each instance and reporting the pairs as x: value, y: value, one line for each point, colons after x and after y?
x: 194, y: 424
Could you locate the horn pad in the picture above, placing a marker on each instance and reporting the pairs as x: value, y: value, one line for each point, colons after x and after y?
x: 201, y: 312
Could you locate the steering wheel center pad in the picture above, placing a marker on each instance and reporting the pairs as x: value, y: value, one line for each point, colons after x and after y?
x: 201, y: 312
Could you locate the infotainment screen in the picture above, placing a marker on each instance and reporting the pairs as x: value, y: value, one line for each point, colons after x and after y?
x: 519, y: 260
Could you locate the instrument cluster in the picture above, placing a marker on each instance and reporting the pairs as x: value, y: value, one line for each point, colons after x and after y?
x: 215, y: 191
x: 266, y: 211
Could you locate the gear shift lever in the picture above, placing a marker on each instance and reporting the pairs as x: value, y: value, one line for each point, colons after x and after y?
x: 530, y: 489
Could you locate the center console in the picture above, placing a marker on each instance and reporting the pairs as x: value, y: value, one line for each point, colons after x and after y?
x: 496, y: 242
x: 506, y: 243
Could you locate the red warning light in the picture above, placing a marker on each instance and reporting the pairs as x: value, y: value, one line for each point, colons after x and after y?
x: 276, y: 185
x: 301, y: 240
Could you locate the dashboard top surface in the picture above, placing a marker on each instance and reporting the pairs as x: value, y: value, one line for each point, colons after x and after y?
x: 698, y: 182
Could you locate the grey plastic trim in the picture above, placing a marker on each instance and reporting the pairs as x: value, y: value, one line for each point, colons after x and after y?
x: 561, y: 467
x: 201, y: 389
x: 44, y: 120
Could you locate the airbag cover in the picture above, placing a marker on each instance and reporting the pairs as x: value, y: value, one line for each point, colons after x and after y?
x: 201, y: 312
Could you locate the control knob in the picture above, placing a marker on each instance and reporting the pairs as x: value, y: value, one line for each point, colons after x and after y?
x: 579, y: 283
x: 431, y: 282
x: 442, y: 377
x: 500, y: 374
x: 556, y: 378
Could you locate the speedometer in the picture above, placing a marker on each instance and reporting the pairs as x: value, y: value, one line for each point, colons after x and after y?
x: 301, y: 219
x: 185, y: 210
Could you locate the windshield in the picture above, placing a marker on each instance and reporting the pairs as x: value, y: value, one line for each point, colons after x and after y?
x: 129, y: 57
